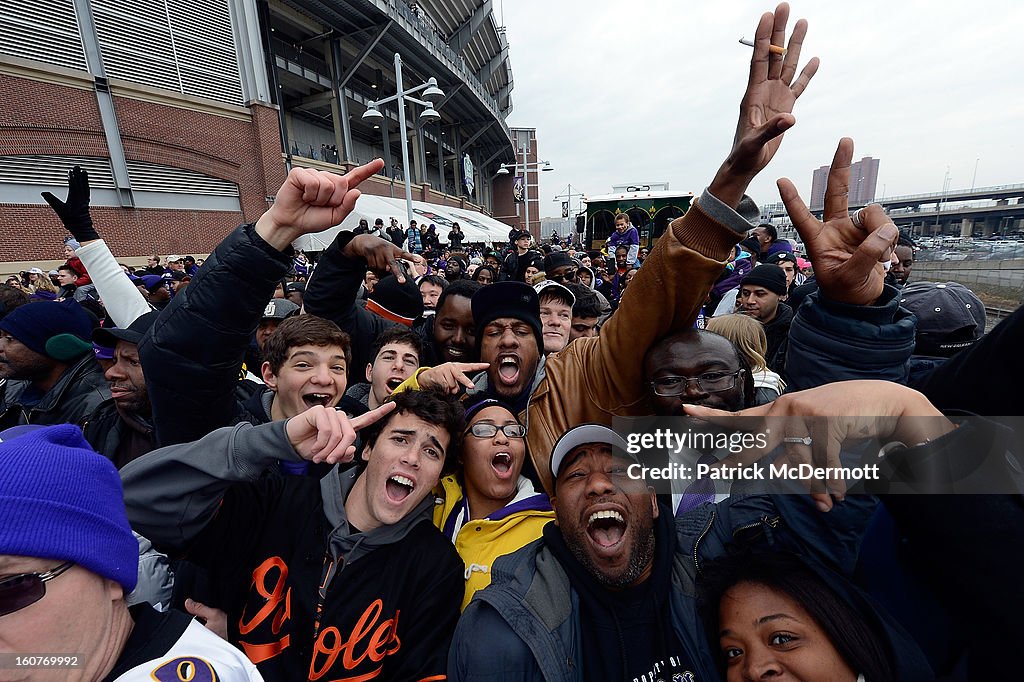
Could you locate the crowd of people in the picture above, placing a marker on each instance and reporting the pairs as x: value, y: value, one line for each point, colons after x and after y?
x: 395, y: 460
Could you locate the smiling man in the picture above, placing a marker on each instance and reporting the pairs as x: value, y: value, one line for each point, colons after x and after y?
x: 605, y: 564
x: 396, y: 356
x: 556, y: 302
x: 195, y: 348
x: 344, y: 577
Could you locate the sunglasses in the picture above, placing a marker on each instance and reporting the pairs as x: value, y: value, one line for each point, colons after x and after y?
x: 484, y: 430
x: 26, y: 589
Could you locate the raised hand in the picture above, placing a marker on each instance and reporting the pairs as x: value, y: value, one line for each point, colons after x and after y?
x: 767, y: 104
x: 74, y: 211
x: 847, y: 255
x: 312, y: 201
x: 323, y: 434
x: 381, y: 255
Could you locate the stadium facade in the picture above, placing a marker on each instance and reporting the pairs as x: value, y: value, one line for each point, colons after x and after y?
x: 189, y: 113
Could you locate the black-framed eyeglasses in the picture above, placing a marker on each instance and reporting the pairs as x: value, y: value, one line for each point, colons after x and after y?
x: 26, y: 589
x: 709, y: 382
x: 485, y: 430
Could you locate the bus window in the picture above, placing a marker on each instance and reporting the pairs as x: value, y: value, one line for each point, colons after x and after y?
x: 602, y: 224
x: 661, y: 220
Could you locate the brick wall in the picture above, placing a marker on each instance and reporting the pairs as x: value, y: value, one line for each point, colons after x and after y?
x: 46, y: 118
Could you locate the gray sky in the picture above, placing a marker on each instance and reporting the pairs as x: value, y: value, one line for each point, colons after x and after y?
x: 648, y: 90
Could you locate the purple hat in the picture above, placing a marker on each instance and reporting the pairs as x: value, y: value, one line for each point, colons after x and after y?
x: 61, y: 500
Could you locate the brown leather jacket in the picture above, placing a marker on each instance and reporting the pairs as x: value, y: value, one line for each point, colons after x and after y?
x: 595, y: 379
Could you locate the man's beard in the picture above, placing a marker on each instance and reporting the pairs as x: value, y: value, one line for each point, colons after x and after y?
x: 641, y: 555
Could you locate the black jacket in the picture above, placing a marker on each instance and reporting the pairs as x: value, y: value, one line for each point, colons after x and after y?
x: 331, y: 294
x: 76, y: 395
x: 113, y: 437
x: 777, y: 332
x: 193, y: 352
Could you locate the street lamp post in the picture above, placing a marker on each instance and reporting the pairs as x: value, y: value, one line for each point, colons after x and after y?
x: 431, y: 94
x: 543, y: 165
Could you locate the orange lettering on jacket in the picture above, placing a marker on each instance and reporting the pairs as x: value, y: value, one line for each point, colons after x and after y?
x: 368, y: 639
x: 277, y: 602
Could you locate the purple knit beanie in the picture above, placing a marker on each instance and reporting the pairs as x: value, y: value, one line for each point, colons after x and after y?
x: 61, y: 500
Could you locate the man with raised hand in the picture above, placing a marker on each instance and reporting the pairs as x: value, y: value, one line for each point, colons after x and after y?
x: 596, y: 379
x: 339, y: 578
x: 193, y: 352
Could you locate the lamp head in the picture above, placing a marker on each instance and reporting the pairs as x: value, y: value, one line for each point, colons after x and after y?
x: 433, y: 94
x: 430, y: 115
x: 372, y: 114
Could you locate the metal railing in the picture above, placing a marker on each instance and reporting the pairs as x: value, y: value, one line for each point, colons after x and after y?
x: 428, y: 35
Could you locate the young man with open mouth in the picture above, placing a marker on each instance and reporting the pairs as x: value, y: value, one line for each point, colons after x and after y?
x: 343, y: 577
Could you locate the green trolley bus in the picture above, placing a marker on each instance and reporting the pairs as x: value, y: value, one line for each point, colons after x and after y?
x: 650, y: 209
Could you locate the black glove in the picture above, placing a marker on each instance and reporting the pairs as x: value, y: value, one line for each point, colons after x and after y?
x: 74, y: 212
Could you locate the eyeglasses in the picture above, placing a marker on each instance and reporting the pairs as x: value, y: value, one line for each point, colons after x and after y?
x: 25, y: 589
x: 712, y: 382
x: 568, y: 275
x: 485, y: 430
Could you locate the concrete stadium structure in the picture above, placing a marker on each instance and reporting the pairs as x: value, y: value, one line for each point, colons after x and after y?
x: 188, y: 114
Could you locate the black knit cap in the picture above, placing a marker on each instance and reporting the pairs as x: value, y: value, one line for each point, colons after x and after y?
x: 556, y: 259
x: 510, y: 298
x: 771, y: 277
x: 401, y: 303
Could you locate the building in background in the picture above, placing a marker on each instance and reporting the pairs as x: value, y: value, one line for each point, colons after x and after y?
x: 517, y: 195
x: 863, y: 183
x: 188, y: 115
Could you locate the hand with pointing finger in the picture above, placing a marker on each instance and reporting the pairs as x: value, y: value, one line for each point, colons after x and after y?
x: 323, y: 434
x: 451, y: 376
x: 382, y: 256
x: 312, y: 201
x: 828, y: 416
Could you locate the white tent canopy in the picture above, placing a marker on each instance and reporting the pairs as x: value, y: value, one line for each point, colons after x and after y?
x: 475, y: 225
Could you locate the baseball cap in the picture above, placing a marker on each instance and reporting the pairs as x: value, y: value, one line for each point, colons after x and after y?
x: 279, y: 309
x: 581, y: 435
x: 295, y: 286
x: 109, y: 336
x: 175, y: 259
x: 781, y: 256
x: 550, y: 288
x: 950, y: 316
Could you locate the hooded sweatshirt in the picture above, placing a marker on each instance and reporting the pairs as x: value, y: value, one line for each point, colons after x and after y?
x: 480, y: 542
x: 307, y: 595
x: 627, y: 634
